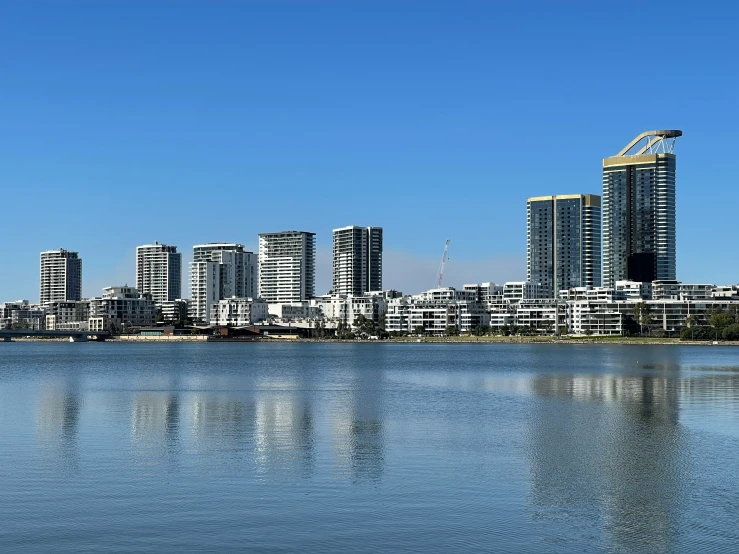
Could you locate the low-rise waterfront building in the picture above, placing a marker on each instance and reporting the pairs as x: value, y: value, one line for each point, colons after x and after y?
x: 61, y: 313
x: 238, y: 312
x: 175, y: 311
x: 633, y: 290
x: 21, y: 314
x: 122, y: 306
x: 514, y: 291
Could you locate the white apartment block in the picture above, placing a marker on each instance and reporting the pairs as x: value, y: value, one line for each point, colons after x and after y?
x: 59, y: 314
x: 159, y: 272
x: 218, y: 271
x: 435, y: 311
x: 21, y: 315
x: 633, y: 290
x: 347, y: 309
x: 238, y: 312
x: 295, y: 310
x: 174, y: 310
x: 675, y: 290
x: 588, y: 293
x: 670, y: 315
x: 357, y: 260
x: 287, y: 266
x: 61, y: 276
x: 124, y: 306
x: 520, y: 290
x: 726, y: 292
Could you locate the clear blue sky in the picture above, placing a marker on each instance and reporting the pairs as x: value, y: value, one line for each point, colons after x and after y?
x: 125, y: 122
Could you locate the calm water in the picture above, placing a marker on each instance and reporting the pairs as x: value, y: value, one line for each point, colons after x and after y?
x: 368, y: 447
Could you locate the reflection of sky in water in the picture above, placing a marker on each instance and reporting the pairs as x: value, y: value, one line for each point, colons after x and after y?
x: 444, y: 446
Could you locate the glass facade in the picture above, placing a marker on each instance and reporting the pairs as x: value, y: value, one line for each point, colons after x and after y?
x: 563, y: 242
x: 639, y: 218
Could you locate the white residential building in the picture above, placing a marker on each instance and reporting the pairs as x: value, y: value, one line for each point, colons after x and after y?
x: 725, y: 291
x: 124, y: 306
x: 357, y: 260
x: 218, y: 271
x: 61, y: 276
x: 174, y: 310
x: 347, y: 309
x: 588, y: 293
x: 520, y: 290
x: 21, y: 314
x: 59, y: 314
x: 633, y: 290
x: 541, y: 315
x: 238, y: 312
x: 435, y: 311
x: 294, y: 310
x: 287, y: 266
x: 159, y: 272
x: 675, y: 290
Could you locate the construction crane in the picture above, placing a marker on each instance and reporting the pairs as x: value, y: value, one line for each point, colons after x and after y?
x: 440, y: 276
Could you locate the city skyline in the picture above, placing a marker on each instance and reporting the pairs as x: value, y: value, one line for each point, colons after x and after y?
x: 398, y: 127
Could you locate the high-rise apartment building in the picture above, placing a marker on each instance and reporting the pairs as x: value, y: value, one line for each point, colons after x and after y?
x: 563, y: 242
x: 639, y: 210
x: 159, y: 272
x: 357, y: 260
x: 61, y: 276
x: 218, y: 271
x: 287, y: 266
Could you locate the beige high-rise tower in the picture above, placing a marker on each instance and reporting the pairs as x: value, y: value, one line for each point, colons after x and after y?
x: 159, y: 272
x: 61, y: 276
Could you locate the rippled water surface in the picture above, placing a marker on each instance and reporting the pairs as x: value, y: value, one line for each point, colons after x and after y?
x: 368, y: 448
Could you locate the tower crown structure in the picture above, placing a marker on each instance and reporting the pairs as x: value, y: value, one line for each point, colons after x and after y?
x: 655, y: 141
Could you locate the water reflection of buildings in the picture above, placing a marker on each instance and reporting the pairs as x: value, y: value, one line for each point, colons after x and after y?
x: 57, y: 423
x: 357, y: 421
x: 611, y: 447
x: 155, y: 423
x: 271, y: 428
x: 284, y: 434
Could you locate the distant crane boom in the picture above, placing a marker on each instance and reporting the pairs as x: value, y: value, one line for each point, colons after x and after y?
x: 443, y: 263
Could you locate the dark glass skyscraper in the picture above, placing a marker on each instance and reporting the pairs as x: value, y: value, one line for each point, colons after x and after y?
x: 357, y: 260
x: 563, y: 242
x: 639, y: 210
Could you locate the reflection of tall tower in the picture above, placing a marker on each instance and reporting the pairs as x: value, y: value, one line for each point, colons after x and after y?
x: 639, y: 210
x: 155, y: 422
x: 358, y: 423
x: 58, y: 418
x: 613, y: 446
x: 221, y: 422
x: 284, y: 433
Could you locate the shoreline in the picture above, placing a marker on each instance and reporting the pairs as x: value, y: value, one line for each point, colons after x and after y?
x: 202, y: 339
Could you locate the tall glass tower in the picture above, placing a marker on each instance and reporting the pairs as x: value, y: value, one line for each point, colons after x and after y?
x: 357, y: 260
x: 639, y: 210
x: 563, y: 242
